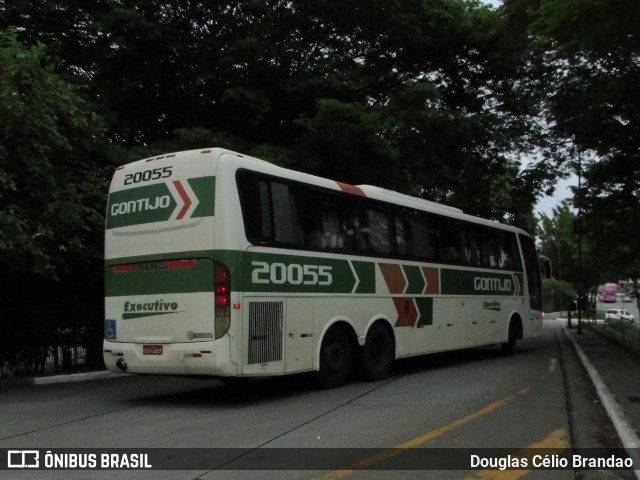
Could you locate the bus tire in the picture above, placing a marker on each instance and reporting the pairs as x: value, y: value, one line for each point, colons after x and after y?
x: 335, y: 358
x: 378, y: 352
x: 509, y: 347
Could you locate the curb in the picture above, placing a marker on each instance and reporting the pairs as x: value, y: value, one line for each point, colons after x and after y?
x: 626, y: 432
x: 73, y: 377
x: 66, y: 378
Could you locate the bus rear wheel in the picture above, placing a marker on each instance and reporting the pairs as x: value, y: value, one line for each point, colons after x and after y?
x: 335, y: 359
x: 378, y: 353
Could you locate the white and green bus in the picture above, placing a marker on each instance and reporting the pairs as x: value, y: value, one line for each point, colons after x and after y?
x: 224, y: 265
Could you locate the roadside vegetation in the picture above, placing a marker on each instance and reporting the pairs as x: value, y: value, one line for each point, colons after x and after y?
x: 451, y: 100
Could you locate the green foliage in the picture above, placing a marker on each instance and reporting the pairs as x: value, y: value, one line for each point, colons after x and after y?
x: 413, y: 95
x: 589, y: 78
x: 54, y: 169
x: 439, y: 99
x: 557, y: 294
x: 52, y: 172
x: 343, y: 141
x: 558, y: 239
x: 597, y: 28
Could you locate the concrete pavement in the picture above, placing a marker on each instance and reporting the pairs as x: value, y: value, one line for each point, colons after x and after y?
x: 615, y: 373
x: 613, y: 370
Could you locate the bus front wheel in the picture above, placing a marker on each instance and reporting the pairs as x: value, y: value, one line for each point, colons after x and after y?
x: 378, y: 353
x: 335, y: 359
x: 509, y: 347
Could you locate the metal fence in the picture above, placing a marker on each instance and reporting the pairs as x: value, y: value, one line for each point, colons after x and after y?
x: 624, y: 332
x: 45, y: 360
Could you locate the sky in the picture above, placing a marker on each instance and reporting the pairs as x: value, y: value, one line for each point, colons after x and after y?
x: 563, y: 191
x: 546, y: 204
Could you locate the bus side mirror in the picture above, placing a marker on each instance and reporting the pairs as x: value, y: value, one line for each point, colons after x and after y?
x: 546, y: 267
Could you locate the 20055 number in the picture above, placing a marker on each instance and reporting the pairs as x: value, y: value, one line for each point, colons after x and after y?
x: 292, y: 274
x: 147, y: 175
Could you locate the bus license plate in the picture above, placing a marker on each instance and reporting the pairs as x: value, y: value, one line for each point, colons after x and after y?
x: 152, y: 349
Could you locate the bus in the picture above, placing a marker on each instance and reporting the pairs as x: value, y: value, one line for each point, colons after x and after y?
x: 219, y: 264
x: 609, y: 293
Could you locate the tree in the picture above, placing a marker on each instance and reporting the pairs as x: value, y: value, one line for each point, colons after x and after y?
x: 558, y: 242
x: 53, y: 178
x: 416, y: 96
x: 591, y: 54
x: 422, y: 97
x: 53, y: 167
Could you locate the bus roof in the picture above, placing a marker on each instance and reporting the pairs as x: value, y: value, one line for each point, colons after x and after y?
x: 369, y: 191
x: 392, y: 196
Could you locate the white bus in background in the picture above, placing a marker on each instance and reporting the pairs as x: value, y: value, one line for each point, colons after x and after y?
x: 224, y: 265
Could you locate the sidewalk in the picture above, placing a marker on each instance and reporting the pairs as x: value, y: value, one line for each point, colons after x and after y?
x: 615, y: 372
x: 62, y: 378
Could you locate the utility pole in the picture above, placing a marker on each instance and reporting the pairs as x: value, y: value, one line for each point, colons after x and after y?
x: 580, y: 283
x: 559, y: 271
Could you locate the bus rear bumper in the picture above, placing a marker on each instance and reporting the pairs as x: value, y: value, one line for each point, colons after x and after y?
x: 198, y: 358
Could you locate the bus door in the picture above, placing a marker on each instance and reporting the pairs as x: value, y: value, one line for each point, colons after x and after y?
x: 298, y: 335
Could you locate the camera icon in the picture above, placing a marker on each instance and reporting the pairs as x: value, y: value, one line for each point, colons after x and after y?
x: 23, y: 459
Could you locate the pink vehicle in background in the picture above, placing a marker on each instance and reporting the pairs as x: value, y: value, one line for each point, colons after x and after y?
x: 609, y: 292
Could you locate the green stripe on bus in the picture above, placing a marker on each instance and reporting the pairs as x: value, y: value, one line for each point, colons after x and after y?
x: 258, y: 272
x: 425, y: 308
x: 273, y: 273
x: 136, y: 206
x: 366, y: 273
x: 205, y: 190
x: 156, y: 203
x: 465, y: 282
x: 198, y: 278
x: 414, y: 278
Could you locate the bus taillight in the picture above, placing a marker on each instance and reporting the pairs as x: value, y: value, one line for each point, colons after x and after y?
x: 222, y: 290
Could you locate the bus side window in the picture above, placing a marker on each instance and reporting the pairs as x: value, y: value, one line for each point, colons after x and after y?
x: 504, y: 259
x: 264, y: 211
x: 509, y: 254
x: 331, y: 237
x: 285, y: 215
x: 373, y: 230
x: 447, y: 240
x: 470, y: 249
x: 488, y: 250
x: 423, y: 246
x: 473, y: 248
x: 326, y: 220
x: 256, y: 207
x: 402, y: 229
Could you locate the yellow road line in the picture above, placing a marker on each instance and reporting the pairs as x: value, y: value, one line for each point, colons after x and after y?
x: 393, y: 452
x: 551, y: 444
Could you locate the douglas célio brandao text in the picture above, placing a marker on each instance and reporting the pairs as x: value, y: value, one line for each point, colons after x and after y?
x: 534, y: 461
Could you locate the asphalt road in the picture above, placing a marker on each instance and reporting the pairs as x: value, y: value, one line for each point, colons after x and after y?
x: 473, y: 399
